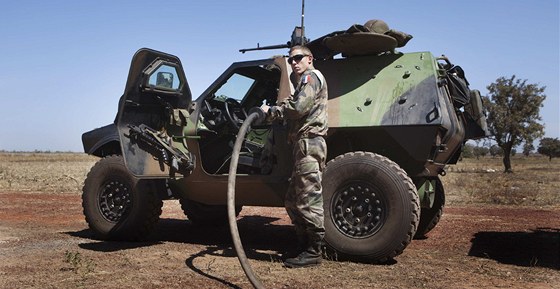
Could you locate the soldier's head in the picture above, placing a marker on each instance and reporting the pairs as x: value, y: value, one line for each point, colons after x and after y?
x: 301, y: 59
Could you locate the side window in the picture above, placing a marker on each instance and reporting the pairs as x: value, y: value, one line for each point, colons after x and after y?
x: 165, y: 77
x: 236, y: 87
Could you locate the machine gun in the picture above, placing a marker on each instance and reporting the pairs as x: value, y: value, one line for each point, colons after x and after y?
x: 298, y: 37
x: 160, y: 144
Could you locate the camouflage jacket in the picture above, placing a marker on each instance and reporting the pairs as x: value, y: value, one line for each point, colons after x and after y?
x: 306, y: 111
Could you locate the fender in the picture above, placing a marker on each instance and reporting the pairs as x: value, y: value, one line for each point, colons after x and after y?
x: 102, y: 141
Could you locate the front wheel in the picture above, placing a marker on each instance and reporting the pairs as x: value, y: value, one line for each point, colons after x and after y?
x: 118, y: 206
x: 371, y: 207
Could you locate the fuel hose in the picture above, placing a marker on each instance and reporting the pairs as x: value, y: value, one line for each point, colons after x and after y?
x: 255, y: 115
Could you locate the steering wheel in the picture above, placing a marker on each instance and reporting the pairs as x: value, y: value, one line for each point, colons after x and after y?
x: 235, y: 112
x: 213, y: 117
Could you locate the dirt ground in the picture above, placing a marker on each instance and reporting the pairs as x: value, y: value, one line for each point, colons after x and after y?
x: 45, y: 243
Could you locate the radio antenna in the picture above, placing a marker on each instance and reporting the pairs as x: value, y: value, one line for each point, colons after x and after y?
x: 302, y: 18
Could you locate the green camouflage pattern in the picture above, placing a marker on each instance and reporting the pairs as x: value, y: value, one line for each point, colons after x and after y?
x: 304, y: 199
x: 306, y: 115
x: 397, y: 105
x: 306, y: 111
x: 364, y: 91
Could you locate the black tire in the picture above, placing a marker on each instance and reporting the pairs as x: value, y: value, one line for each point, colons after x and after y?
x: 202, y: 214
x: 118, y: 206
x: 429, y: 217
x: 371, y: 207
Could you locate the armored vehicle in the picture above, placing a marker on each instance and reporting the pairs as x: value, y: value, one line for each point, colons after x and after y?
x: 395, y: 121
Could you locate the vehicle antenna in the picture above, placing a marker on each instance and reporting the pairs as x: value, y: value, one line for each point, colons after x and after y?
x: 302, y: 18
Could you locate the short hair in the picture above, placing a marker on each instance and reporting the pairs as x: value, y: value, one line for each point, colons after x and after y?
x: 302, y: 48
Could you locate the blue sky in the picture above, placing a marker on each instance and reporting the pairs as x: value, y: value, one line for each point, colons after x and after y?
x: 65, y: 63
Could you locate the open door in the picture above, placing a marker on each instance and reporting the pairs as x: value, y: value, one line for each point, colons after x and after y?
x: 152, y: 115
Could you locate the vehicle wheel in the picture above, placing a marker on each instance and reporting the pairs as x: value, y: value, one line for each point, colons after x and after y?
x: 118, y: 206
x: 429, y: 217
x: 202, y: 214
x: 371, y: 207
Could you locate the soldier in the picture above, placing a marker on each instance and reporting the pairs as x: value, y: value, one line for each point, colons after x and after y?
x: 306, y: 116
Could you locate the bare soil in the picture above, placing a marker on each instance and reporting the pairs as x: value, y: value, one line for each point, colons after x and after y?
x: 45, y: 243
x: 498, y: 231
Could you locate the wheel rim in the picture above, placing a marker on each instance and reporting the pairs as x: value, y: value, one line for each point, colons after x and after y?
x: 358, y: 210
x: 114, y: 200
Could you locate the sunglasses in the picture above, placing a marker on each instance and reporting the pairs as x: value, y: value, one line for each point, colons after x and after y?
x: 296, y: 58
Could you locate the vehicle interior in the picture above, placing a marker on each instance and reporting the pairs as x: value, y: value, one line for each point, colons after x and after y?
x: 222, y: 112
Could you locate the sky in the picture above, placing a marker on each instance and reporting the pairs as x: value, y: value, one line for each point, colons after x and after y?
x: 65, y: 62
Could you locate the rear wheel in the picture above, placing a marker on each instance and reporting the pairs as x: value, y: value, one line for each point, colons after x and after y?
x: 371, y: 207
x: 118, y: 206
x: 202, y: 214
x: 429, y: 217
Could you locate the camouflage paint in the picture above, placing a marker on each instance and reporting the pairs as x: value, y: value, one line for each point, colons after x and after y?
x: 393, y: 104
x: 376, y: 90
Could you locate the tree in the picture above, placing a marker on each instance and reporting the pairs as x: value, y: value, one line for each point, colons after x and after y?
x: 528, y: 148
x: 496, y: 150
x: 549, y: 147
x: 513, y: 113
x: 480, y: 151
x: 467, y: 151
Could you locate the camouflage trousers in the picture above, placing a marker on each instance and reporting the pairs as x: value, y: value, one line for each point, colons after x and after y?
x: 304, y: 199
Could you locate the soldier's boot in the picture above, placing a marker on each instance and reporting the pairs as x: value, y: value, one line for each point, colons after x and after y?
x: 309, y: 257
x: 302, y: 244
x: 302, y: 240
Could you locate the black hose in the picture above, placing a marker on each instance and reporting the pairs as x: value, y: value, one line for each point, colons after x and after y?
x: 258, y: 115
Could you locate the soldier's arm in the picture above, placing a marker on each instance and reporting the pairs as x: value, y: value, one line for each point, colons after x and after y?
x: 299, y: 106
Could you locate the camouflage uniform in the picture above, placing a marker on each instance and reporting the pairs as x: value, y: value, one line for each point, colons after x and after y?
x: 306, y: 116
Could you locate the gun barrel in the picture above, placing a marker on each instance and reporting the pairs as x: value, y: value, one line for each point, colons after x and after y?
x: 279, y: 46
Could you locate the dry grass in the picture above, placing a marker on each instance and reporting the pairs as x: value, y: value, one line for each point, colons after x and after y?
x: 535, y: 182
x: 44, y: 172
